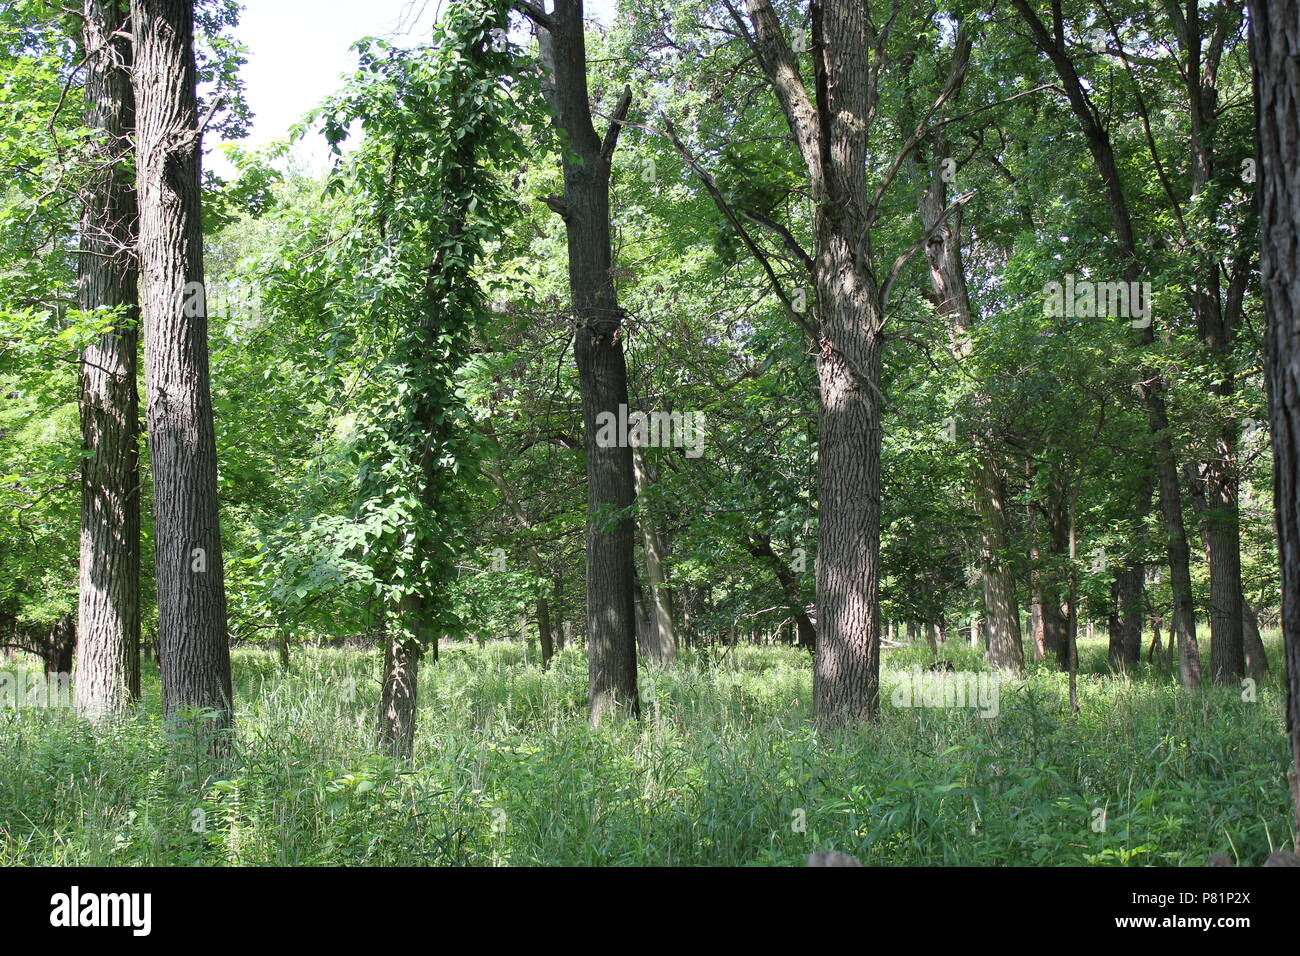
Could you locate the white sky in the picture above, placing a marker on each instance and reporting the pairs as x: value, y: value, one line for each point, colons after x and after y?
x: 298, y: 50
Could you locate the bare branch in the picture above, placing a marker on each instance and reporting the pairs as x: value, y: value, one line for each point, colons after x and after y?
x: 535, y: 13
x: 901, y: 261
x: 616, y: 125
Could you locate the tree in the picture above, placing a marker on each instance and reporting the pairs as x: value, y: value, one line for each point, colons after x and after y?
x: 831, y: 127
x: 951, y: 297
x: 1275, y: 35
x: 108, y: 608
x: 1053, y: 44
x: 598, y: 352
x: 422, y: 200
x: 192, y: 640
x: 1219, y: 251
x: 661, y: 597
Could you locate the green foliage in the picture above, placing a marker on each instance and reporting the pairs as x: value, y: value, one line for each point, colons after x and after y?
x: 398, y: 415
x: 422, y: 203
x: 725, y: 770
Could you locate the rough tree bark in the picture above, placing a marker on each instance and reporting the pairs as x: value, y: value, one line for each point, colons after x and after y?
x: 830, y: 128
x: 647, y: 627
x: 108, y: 602
x: 1229, y: 662
x: 1256, y: 656
x: 830, y: 125
x: 395, y: 734
x: 1126, y: 636
x: 598, y: 351
x: 193, y: 642
x: 1275, y: 36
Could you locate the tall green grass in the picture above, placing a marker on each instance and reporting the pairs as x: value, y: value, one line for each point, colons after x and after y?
x: 723, y: 769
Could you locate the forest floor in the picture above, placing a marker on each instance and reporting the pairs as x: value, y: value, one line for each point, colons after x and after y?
x: 724, y: 769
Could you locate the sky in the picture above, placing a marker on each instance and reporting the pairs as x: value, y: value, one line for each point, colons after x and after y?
x: 298, y: 50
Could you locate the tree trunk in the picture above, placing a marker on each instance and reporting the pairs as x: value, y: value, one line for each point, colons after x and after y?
x: 1151, y: 386
x: 1223, y: 554
x: 1055, y: 625
x: 1220, y: 537
x: 108, y: 602
x: 1275, y: 35
x: 1126, y: 636
x: 525, y: 638
x: 1216, y: 319
x: 1171, y: 513
x: 559, y: 626
x: 544, y: 634
x: 951, y: 296
x: 59, y: 647
x: 1256, y: 656
x: 760, y: 546
x: 133, y: 688
x: 1036, y: 629
x: 1156, y: 653
x: 647, y: 632
x: 1001, y: 609
x: 190, y: 577
x: 397, y: 703
x: 602, y: 370
x: 661, y: 598
x: 1072, y: 612
x: 846, y: 675
x: 830, y: 128
x: 1037, y: 617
